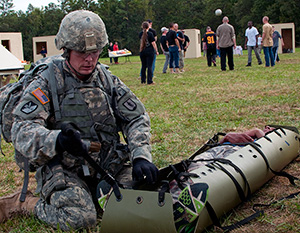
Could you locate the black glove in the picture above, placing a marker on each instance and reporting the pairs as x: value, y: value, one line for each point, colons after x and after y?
x: 141, y: 168
x: 69, y: 140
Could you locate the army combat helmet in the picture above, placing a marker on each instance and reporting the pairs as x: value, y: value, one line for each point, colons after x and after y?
x: 82, y: 31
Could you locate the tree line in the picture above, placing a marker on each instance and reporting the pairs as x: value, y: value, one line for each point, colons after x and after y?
x: 123, y: 18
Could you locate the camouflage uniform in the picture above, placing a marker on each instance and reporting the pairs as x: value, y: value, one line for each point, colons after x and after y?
x: 35, y: 132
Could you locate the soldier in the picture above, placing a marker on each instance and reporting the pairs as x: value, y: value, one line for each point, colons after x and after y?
x: 101, y: 106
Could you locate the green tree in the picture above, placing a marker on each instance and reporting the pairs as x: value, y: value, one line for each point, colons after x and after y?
x: 123, y: 20
x: 72, y: 5
x: 6, y: 6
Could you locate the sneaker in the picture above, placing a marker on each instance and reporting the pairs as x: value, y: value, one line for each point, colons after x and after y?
x: 191, y: 202
x: 259, y: 63
x: 249, y: 64
x: 215, y: 64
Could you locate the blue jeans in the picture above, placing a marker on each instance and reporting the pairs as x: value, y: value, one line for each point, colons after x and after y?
x: 153, y: 64
x: 275, y: 53
x: 269, y: 55
x: 174, y: 56
x: 167, y: 55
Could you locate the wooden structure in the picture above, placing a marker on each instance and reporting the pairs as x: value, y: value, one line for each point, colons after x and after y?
x: 194, y: 49
x: 287, y: 31
x: 48, y: 43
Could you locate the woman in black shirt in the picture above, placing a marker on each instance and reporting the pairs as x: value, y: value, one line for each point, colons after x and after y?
x: 147, y: 48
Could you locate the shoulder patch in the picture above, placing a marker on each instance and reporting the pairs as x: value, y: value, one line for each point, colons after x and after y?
x: 130, y: 104
x: 40, y: 95
x: 29, y: 107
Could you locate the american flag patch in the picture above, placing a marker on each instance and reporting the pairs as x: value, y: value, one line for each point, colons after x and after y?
x: 40, y: 95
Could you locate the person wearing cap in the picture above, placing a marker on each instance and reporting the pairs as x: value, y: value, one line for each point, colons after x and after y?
x: 82, y: 113
x: 164, y: 47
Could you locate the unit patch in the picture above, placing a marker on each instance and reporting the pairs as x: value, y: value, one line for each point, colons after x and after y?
x: 40, y: 95
x: 130, y: 105
x: 29, y: 107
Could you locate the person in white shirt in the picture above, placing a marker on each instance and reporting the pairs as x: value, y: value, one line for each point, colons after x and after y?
x: 259, y: 43
x: 251, y: 43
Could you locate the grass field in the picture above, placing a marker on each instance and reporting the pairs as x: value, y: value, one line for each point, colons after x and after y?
x: 186, y: 109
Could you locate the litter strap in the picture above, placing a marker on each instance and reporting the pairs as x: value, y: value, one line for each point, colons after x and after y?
x: 26, y: 179
x: 280, y: 173
x: 216, y: 222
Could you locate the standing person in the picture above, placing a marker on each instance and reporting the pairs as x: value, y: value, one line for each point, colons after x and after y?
x: 174, y: 49
x: 267, y: 41
x: 180, y: 38
x: 186, y: 42
x: 209, y: 40
x: 147, y: 50
x: 164, y: 47
x: 276, y: 36
x: 226, y: 42
x: 251, y: 43
x: 155, y: 37
x: 259, y: 43
x: 116, y: 48
x: 110, y: 49
x: 67, y: 185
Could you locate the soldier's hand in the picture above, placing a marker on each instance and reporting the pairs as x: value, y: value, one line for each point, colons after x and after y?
x: 69, y: 140
x: 143, y: 168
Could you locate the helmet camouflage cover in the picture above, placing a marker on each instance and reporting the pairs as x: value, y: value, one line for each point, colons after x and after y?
x: 82, y: 31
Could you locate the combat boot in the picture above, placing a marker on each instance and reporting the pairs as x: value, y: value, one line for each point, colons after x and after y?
x: 11, y: 206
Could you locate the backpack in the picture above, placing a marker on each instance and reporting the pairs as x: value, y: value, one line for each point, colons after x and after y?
x: 10, y: 96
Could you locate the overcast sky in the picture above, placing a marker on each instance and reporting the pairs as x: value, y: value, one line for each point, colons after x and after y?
x: 23, y: 4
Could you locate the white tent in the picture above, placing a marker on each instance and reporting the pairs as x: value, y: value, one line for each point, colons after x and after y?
x: 9, y: 62
x: 9, y: 65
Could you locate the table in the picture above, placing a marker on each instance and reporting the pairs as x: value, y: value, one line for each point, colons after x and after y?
x: 121, y: 53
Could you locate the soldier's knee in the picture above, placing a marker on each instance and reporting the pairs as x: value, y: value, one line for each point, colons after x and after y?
x: 82, y: 219
x: 69, y: 209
